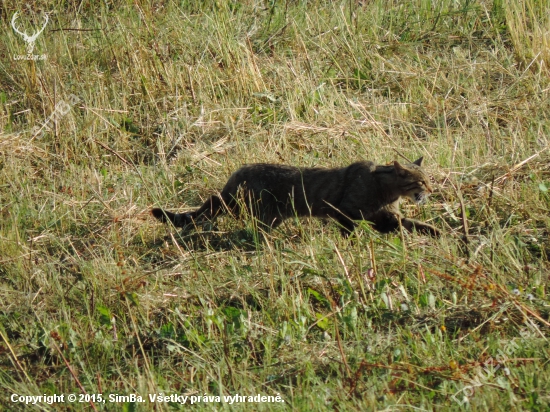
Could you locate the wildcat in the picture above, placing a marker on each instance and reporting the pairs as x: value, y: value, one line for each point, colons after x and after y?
x: 361, y: 191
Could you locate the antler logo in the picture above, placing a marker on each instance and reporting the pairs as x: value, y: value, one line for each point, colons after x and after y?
x: 30, y: 40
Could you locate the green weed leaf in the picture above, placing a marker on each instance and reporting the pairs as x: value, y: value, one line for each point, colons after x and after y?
x: 105, y: 315
x: 132, y: 297
x: 322, y: 322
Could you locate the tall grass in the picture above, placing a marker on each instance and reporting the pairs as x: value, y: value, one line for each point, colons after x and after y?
x: 529, y: 26
x: 96, y: 296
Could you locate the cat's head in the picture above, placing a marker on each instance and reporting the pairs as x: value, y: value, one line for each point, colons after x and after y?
x: 413, y: 181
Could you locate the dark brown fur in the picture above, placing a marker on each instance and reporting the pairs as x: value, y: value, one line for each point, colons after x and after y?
x: 361, y: 191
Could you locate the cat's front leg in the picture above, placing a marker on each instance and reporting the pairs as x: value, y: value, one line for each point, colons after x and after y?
x: 420, y: 227
x: 346, y: 225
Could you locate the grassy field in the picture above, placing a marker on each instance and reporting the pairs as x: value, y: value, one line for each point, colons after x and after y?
x: 138, y: 104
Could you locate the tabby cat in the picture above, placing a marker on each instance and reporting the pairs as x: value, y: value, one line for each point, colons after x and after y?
x: 361, y: 191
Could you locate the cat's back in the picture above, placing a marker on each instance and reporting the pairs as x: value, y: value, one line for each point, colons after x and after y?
x: 264, y: 172
x: 270, y: 174
x: 363, y: 166
x: 261, y: 176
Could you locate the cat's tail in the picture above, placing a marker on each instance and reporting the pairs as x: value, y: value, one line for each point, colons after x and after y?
x: 177, y: 219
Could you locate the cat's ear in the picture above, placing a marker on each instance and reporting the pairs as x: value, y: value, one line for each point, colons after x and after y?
x: 418, y: 161
x: 400, y: 170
